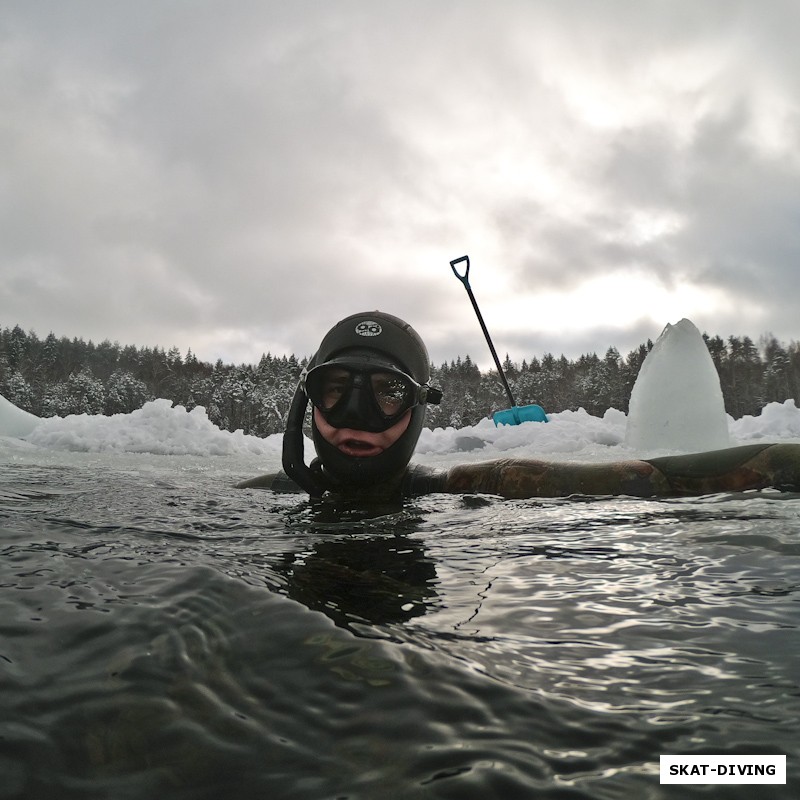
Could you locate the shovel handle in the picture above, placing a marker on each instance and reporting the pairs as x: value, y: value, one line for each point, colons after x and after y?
x: 465, y: 280
x: 465, y: 277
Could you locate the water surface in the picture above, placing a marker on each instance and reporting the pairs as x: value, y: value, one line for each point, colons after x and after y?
x: 164, y: 635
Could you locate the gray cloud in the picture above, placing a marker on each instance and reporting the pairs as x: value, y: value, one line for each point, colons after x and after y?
x: 236, y: 177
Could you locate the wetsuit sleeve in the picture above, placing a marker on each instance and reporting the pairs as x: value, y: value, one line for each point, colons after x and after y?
x: 738, y: 469
x: 275, y: 481
x: 524, y: 478
x: 419, y: 480
x: 735, y: 469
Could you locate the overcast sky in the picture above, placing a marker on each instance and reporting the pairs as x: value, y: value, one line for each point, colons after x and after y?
x: 235, y: 176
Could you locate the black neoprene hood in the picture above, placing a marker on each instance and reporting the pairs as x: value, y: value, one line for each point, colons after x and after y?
x: 372, y: 337
x: 381, y: 333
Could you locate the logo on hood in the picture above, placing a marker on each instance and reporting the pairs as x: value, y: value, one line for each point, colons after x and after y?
x: 368, y: 328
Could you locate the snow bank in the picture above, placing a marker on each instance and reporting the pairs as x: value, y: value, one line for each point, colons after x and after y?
x: 163, y: 429
x: 778, y: 421
x: 157, y: 428
x: 567, y: 432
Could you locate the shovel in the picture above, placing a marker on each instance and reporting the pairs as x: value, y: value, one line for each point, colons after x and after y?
x: 516, y: 414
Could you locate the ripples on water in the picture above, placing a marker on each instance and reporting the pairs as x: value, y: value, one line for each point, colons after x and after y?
x: 174, y: 638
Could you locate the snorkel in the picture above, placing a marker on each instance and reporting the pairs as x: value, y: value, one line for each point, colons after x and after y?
x: 293, y: 454
x: 362, y: 341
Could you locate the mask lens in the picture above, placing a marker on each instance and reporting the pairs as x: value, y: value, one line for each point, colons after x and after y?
x: 392, y: 394
x: 326, y: 386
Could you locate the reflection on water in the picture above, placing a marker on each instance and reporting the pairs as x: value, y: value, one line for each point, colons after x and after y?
x: 162, y: 635
x: 378, y: 580
x: 362, y: 564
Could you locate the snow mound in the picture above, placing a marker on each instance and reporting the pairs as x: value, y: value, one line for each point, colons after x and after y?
x: 157, y: 428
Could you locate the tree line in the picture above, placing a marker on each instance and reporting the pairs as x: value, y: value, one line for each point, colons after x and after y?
x: 61, y: 376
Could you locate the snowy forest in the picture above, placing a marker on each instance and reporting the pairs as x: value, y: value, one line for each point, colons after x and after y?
x: 61, y: 376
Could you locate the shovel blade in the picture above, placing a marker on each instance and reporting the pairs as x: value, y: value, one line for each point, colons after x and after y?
x: 519, y: 414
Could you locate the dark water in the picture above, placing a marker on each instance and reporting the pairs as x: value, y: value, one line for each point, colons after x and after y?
x: 170, y: 637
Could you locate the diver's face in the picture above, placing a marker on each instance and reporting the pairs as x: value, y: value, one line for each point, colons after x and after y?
x: 362, y: 444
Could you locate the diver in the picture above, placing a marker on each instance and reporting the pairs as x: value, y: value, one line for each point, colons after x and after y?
x: 369, y: 385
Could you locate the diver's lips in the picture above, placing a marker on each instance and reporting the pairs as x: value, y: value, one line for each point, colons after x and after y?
x: 357, y: 448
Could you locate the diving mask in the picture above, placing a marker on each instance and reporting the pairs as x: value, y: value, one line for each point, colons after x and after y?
x: 363, y: 396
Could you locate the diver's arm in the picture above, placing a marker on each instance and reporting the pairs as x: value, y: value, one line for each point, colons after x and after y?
x: 736, y: 469
x: 259, y: 482
x: 275, y: 481
x: 524, y: 478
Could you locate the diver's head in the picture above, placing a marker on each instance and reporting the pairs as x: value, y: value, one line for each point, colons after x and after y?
x: 368, y: 383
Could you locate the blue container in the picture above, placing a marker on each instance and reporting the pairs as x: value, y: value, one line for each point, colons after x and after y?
x: 519, y: 414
